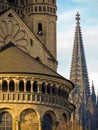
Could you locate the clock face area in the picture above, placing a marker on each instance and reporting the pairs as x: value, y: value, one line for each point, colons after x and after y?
x: 12, y: 31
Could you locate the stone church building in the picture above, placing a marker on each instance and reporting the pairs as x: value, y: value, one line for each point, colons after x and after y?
x: 33, y: 96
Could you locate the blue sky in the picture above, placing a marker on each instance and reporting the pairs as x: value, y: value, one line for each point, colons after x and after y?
x: 66, y: 11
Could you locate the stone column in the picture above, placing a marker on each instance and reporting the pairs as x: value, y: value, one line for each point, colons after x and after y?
x: 32, y: 86
x: 40, y: 124
x: 39, y: 87
x: 17, y: 123
x: 0, y: 85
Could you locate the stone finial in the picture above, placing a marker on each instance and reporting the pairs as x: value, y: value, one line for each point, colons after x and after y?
x: 77, y: 18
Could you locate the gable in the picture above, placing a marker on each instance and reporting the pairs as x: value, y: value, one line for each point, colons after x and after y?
x: 13, y: 29
x: 11, y: 20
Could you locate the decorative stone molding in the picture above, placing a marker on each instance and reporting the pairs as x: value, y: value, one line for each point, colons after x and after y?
x: 11, y: 31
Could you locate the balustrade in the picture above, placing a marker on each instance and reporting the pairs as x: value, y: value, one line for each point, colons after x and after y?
x: 39, y: 98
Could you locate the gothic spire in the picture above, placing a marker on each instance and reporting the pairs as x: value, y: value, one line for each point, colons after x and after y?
x: 78, y: 73
x: 79, y: 76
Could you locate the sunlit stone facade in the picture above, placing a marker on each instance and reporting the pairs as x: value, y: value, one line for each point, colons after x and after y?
x: 33, y: 96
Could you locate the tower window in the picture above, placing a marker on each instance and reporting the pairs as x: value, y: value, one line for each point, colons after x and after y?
x: 40, y: 28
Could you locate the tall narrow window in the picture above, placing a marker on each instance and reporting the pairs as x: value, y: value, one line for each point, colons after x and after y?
x: 4, y: 86
x: 28, y: 86
x: 43, y: 87
x: 21, y: 85
x: 11, y: 86
x: 35, y: 86
x: 40, y: 29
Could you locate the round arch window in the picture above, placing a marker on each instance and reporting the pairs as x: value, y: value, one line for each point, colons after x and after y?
x: 4, y: 86
x: 28, y: 86
x: 21, y: 85
x: 11, y: 86
x: 47, y: 122
x: 5, y: 121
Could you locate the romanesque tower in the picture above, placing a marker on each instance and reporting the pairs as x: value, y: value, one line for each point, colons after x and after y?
x: 81, y: 96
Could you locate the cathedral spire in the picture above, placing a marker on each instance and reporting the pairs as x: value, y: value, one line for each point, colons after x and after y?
x: 78, y: 73
x: 79, y: 76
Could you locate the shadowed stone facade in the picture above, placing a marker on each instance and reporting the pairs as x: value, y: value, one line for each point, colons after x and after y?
x: 85, y: 114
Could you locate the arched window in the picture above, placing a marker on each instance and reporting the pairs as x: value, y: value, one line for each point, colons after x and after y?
x: 54, y: 90
x: 59, y: 92
x: 28, y: 86
x: 5, y: 121
x: 11, y: 86
x: 21, y: 85
x: 40, y: 29
x: 47, y: 122
x: 43, y: 87
x: 35, y: 86
x: 4, y: 86
x: 48, y: 89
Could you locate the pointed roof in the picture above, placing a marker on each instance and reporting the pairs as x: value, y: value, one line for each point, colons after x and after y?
x: 78, y: 73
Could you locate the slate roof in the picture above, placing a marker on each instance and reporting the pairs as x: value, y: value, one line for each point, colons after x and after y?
x: 14, y: 60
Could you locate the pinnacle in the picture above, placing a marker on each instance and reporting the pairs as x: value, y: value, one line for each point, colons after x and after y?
x: 77, y: 18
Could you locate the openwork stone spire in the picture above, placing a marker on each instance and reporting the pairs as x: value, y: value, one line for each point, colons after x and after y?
x: 79, y: 76
x: 78, y: 73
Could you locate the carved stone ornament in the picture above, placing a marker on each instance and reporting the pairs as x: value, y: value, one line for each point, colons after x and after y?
x: 11, y: 31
